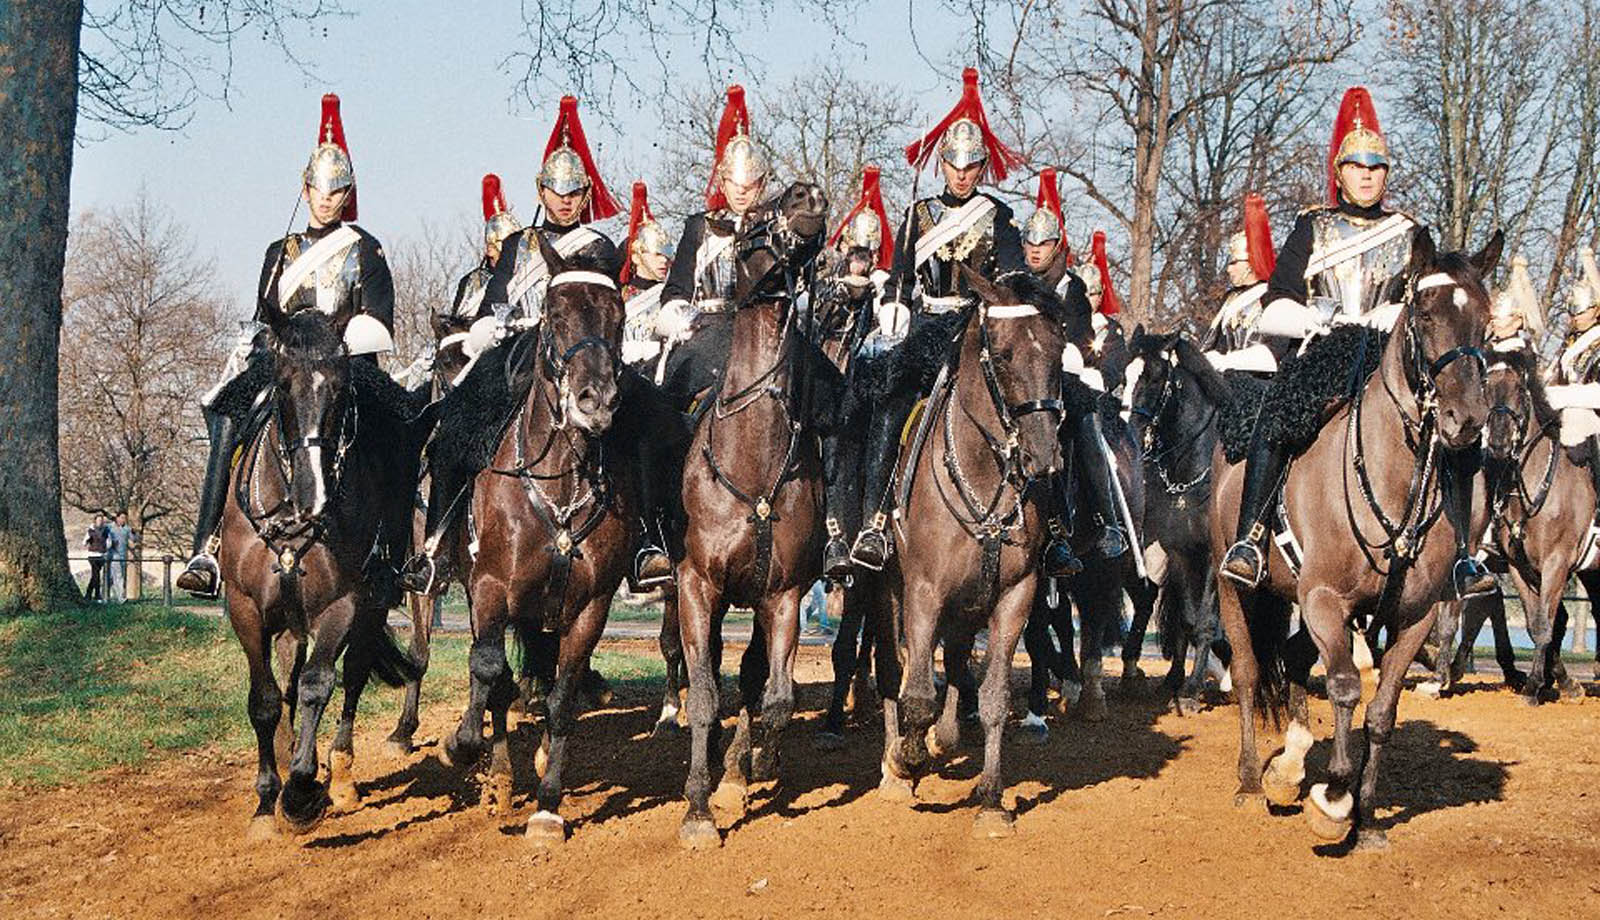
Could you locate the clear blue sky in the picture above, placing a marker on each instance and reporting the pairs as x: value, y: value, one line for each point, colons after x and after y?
x: 428, y: 109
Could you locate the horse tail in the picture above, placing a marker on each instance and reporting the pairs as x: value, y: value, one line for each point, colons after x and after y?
x: 1267, y: 617
x: 390, y: 663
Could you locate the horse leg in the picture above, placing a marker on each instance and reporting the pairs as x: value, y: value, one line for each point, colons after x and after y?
x: 1571, y: 691
x: 342, y: 791
x: 1100, y: 608
x: 917, y: 695
x: 1380, y: 719
x: 1537, y: 607
x: 304, y: 800
x: 1145, y: 596
x: 493, y: 672
x: 892, y: 786
x: 421, y: 607
x: 1325, y: 615
x: 1447, y: 622
x: 780, y: 618
x: 960, y: 686
x: 1286, y: 770
x: 994, y: 706
x: 699, y: 614
x: 289, y: 657
x: 673, y: 715
x: 1245, y: 670
x: 732, y: 792
x: 1036, y: 639
x: 264, y: 705
x: 547, y: 827
x: 486, y: 665
x: 845, y: 662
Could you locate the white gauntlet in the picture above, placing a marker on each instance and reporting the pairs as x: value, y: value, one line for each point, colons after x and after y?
x: 894, y: 320
x: 672, y: 322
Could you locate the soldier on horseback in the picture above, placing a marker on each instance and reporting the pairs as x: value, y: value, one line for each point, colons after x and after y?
x: 1251, y: 260
x: 1580, y: 351
x: 571, y: 194
x: 452, y: 326
x: 924, y: 299
x: 1342, y: 265
x: 1095, y: 362
x: 647, y: 260
x: 332, y: 266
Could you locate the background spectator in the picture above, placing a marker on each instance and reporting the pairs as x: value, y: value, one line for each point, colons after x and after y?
x: 95, y: 540
x: 118, y: 538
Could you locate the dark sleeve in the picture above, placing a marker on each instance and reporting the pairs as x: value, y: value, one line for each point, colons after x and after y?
x: 902, y: 275
x: 505, y: 268
x: 603, y: 253
x: 1114, y: 357
x: 680, y: 279
x: 267, y: 290
x: 1079, y: 325
x: 377, y: 285
x: 1289, y: 275
x: 1007, y: 241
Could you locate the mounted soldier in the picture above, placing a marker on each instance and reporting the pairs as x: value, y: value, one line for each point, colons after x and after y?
x: 1088, y: 372
x: 1580, y: 351
x: 571, y: 194
x: 1338, y: 268
x: 647, y: 260
x: 332, y: 266
x: 1251, y: 260
x: 452, y: 327
x: 925, y: 300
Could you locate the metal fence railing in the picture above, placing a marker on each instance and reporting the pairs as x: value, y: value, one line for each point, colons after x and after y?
x: 138, y: 564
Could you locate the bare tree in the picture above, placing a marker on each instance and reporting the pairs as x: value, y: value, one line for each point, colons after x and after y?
x: 143, y: 334
x: 426, y: 268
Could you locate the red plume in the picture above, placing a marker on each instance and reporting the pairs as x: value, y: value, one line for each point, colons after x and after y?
x: 638, y: 215
x: 735, y: 120
x: 1356, y: 106
x: 1001, y: 158
x: 570, y: 129
x: 1050, y: 200
x: 1258, y: 237
x: 494, y: 200
x: 1109, y: 305
x: 331, y: 127
x: 871, y: 199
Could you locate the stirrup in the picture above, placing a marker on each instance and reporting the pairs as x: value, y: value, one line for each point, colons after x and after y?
x: 872, y: 547
x: 423, y: 576
x: 649, y: 572
x: 1113, y: 542
x: 1470, y: 579
x: 202, y: 577
x: 1241, y: 554
x: 836, y: 559
x: 1058, y: 560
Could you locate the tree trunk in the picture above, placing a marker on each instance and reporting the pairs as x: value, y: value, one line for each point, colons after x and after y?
x: 38, y: 116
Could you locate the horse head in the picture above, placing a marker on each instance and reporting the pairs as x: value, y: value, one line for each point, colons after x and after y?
x: 779, y: 237
x: 1445, y: 318
x: 314, y: 406
x: 1152, y: 395
x: 580, y: 336
x: 1020, y: 325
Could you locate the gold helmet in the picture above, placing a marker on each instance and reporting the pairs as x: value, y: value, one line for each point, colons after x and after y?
x: 645, y: 234
x: 1356, y: 139
x: 498, y: 221
x: 962, y: 144
x: 1238, y: 248
x: 963, y: 137
x: 863, y: 230
x: 1044, y: 224
x: 568, y: 166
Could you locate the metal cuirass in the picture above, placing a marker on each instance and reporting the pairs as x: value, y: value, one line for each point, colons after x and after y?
x: 472, y: 293
x: 329, y: 288
x: 1359, y: 283
x: 937, y: 276
x: 715, y: 277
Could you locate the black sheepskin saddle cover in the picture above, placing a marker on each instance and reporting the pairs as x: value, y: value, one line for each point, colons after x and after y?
x: 1307, y: 388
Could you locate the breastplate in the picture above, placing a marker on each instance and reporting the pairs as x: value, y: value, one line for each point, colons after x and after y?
x: 472, y: 294
x: 1358, y: 283
x: 331, y: 285
x: 975, y: 249
x: 717, y: 275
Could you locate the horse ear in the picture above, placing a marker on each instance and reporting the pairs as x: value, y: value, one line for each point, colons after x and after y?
x: 1489, y: 256
x: 1138, y: 330
x: 553, y: 263
x: 1422, y: 251
x: 987, y: 292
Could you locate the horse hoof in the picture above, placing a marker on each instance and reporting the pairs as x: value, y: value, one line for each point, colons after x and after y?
x: 1531, y: 700
x: 301, y: 813
x: 541, y: 758
x: 1071, y: 690
x: 1371, y: 840
x: 699, y: 834
x: 1092, y: 708
x: 1246, y: 797
x: 938, y: 748
x: 546, y: 829
x: 398, y: 746
x: 261, y: 828
x: 1033, y: 730
x: 830, y: 741
x: 667, y: 728
x: 730, y: 798
x: 1329, y: 820
x: 1572, y: 692
x: 993, y: 824
x: 497, y: 794
x: 893, y: 788
x: 1281, y: 790
x: 344, y: 798
x: 1187, y: 706
x: 1430, y: 689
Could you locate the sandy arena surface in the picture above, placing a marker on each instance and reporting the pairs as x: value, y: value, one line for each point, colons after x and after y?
x: 1493, y: 809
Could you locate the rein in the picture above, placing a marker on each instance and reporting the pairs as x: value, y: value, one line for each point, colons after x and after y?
x: 1153, y: 452
x: 1522, y: 450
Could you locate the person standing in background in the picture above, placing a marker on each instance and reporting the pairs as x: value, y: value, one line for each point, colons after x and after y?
x: 95, y: 540
x: 118, y: 539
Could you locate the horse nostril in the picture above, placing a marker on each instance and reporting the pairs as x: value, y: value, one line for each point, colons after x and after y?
x: 588, y: 399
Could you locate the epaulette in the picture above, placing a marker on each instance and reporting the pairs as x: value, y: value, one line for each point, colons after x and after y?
x: 1314, y: 209
x: 291, y: 247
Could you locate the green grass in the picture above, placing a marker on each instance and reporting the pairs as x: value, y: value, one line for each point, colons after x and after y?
x: 124, y: 685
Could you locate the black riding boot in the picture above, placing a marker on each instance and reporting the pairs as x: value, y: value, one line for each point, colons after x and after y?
x: 1057, y: 559
x: 1469, y: 576
x: 428, y: 571
x: 841, y: 461
x: 1096, y: 472
x: 873, y: 547
x: 1246, y: 561
x: 201, y: 577
x: 652, y: 565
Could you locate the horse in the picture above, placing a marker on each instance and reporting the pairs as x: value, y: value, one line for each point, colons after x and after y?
x: 970, y: 526
x: 1363, y: 501
x: 311, y: 497
x: 1543, y: 506
x: 555, y: 528
x: 752, y: 494
x: 1175, y: 407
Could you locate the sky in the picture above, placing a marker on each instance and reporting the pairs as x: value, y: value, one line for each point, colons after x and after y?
x: 429, y: 107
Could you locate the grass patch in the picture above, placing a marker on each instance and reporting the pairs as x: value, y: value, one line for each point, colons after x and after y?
x: 121, y: 685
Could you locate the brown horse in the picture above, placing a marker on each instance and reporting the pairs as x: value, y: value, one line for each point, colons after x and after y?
x: 313, y: 493
x: 752, y: 494
x: 970, y: 525
x: 555, y: 530
x: 1543, y: 506
x: 1364, y: 502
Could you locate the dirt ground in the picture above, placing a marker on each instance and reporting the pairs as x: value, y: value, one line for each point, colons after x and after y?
x: 1492, y: 810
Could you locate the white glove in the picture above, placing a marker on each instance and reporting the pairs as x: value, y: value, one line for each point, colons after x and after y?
x: 894, y: 320
x: 672, y: 321
x: 1287, y: 319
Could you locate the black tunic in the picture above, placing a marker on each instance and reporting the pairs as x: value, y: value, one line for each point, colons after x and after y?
x: 996, y: 250
x: 1289, y: 274
x: 364, y: 284
x: 600, y: 255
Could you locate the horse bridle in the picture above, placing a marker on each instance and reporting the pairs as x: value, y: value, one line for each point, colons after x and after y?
x: 555, y: 365
x: 1151, y: 441
x: 1010, y: 413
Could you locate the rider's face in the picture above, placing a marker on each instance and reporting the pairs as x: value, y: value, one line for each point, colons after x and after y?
x: 961, y: 180
x: 325, y: 206
x: 564, y: 210
x: 1240, y: 273
x: 742, y: 196
x: 1362, y: 185
x: 1038, y: 255
x: 650, y: 265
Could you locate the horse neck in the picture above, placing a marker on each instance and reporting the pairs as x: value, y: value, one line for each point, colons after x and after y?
x: 758, y: 343
x: 545, y: 448
x: 1382, y: 426
x: 972, y: 405
x: 1193, y: 426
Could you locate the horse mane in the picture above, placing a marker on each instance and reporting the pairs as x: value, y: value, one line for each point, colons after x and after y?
x: 1212, y: 383
x: 308, y: 336
x: 1032, y: 290
x: 1526, y: 364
